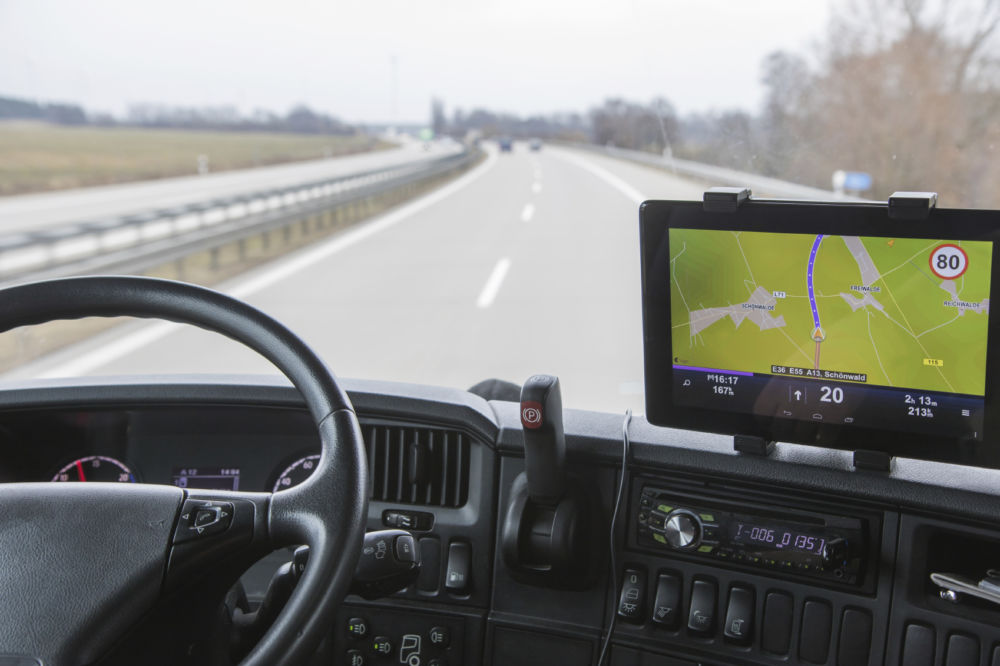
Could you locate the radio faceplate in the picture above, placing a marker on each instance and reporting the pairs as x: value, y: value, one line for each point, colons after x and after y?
x: 788, y: 542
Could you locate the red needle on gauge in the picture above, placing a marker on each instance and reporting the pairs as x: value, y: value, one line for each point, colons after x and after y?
x: 79, y: 470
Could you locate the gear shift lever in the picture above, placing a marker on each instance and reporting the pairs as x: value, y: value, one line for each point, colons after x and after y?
x: 544, y: 439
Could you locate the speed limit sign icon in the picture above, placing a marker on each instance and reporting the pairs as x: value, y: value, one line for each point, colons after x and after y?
x: 948, y: 261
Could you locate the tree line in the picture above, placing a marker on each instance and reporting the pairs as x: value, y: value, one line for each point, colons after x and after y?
x: 905, y: 90
x: 299, y: 120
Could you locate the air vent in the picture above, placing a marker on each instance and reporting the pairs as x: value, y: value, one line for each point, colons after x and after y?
x: 418, y: 465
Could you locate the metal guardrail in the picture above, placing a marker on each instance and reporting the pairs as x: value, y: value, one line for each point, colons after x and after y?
x: 145, y: 236
x: 716, y: 175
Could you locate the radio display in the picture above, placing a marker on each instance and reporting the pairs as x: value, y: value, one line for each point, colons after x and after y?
x: 775, y: 537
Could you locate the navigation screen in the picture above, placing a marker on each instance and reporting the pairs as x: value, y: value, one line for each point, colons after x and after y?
x: 871, y: 331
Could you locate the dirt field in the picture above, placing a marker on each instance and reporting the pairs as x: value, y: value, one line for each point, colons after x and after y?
x: 36, y: 157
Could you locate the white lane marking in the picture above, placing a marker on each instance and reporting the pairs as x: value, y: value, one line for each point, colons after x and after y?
x: 492, y: 286
x: 611, y: 179
x: 536, y: 187
x: 282, y: 269
x: 357, y: 234
x: 528, y: 212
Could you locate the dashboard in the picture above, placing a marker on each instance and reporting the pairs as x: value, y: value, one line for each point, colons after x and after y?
x: 220, y: 448
x: 719, y: 557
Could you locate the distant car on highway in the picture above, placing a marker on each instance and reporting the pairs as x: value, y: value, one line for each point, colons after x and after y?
x: 506, y: 144
x: 536, y: 144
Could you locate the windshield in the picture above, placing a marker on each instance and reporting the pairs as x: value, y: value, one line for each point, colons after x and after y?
x: 443, y: 192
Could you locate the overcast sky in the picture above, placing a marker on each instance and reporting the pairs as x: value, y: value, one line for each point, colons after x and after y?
x: 522, y: 56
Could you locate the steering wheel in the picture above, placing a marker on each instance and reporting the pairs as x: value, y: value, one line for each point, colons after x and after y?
x: 80, y: 563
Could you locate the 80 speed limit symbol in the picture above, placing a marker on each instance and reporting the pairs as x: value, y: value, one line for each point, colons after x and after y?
x: 948, y: 261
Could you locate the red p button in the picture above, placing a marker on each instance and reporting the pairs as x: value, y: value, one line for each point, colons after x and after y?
x: 531, y: 414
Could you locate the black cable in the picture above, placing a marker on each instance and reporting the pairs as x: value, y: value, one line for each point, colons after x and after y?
x: 614, y: 529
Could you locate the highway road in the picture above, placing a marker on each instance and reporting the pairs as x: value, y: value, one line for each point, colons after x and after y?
x: 31, y: 212
x: 528, y: 263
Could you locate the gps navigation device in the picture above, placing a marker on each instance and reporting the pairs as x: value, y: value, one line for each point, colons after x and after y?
x: 826, y: 324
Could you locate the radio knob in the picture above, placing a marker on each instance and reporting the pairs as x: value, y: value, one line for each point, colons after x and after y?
x: 682, y: 530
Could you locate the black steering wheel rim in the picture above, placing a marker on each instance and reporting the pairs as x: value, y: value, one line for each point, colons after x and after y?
x: 328, y: 511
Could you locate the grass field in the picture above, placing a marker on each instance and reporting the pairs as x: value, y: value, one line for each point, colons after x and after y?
x: 37, y: 157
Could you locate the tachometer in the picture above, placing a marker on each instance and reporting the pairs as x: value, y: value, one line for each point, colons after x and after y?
x: 296, y: 473
x: 95, y: 468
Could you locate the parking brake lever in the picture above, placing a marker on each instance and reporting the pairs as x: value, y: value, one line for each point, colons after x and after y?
x: 544, y: 439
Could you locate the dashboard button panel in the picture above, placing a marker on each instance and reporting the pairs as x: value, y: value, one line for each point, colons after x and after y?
x: 918, y: 645
x: 701, y: 614
x: 855, y: 637
x: 632, y: 600
x: 429, y: 579
x: 357, y: 627
x: 962, y: 651
x: 667, y: 604
x: 814, y: 634
x: 740, y: 615
x: 776, y: 635
x: 456, y: 578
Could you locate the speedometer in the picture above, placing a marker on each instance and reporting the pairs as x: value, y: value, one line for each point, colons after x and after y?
x: 95, y: 468
x: 296, y: 473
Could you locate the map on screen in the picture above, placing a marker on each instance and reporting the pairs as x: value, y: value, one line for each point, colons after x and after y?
x: 894, y: 312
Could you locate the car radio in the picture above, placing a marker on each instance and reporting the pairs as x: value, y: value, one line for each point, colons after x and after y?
x: 811, y: 545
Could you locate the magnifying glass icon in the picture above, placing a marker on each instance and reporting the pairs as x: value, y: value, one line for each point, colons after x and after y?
x: 687, y: 382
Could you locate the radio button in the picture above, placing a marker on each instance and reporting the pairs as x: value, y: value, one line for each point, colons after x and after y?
x: 701, y: 615
x: 682, y: 530
x: 739, y: 615
x: 666, y: 606
x: 836, y: 553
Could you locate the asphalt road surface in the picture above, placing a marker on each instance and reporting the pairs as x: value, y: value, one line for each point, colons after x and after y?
x: 31, y: 212
x: 529, y: 263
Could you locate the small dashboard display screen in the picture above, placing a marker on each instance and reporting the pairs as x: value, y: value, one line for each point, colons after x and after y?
x: 207, y: 478
x: 877, y: 332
